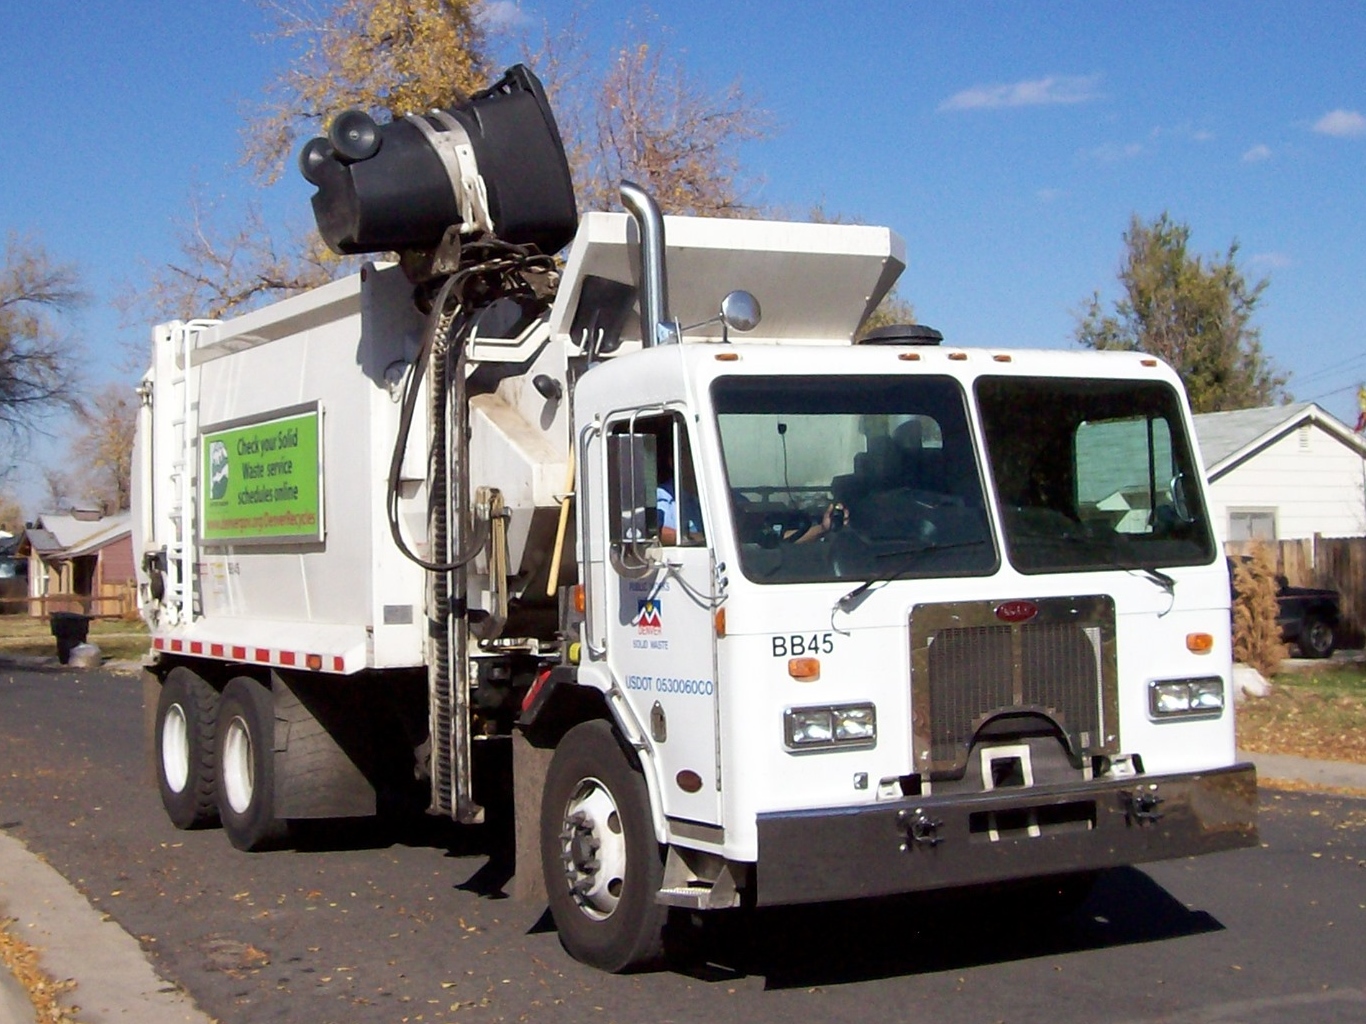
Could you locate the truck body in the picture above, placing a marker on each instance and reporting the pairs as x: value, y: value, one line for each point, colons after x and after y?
x: 794, y: 618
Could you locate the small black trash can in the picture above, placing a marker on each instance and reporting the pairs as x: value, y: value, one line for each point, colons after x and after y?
x: 70, y: 629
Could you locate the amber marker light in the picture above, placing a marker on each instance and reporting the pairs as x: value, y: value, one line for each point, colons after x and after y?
x: 719, y: 621
x: 1199, y: 643
x: 315, y: 662
x: 728, y: 357
x: 909, y: 357
x: 1001, y: 358
x: 806, y: 670
x: 579, y: 603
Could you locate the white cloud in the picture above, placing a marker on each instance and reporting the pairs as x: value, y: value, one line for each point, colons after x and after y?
x: 1257, y: 154
x: 502, y: 14
x: 1052, y: 90
x: 1270, y: 260
x: 1344, y: 124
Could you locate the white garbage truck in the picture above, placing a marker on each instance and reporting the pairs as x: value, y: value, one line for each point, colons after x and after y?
x: 773, y: 611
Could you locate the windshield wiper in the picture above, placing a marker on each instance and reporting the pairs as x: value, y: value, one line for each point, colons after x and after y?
x: 1160, y: 578
x: 1100, y: 550
x: 854, y: 598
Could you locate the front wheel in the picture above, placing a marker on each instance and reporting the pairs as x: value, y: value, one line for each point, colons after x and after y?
x: 598, y: 852
x: 246, y: 765
x: 1316, y: 638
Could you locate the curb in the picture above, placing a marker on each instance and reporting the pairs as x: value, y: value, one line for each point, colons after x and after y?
x: 115, y: 980
x: 1332, y: 775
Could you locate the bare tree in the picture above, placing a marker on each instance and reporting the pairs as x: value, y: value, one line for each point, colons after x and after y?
x: 228, y: 269
x: 38, y: 360
x: 58, y: 490
x: 646, y: 119
x: 102, y: 448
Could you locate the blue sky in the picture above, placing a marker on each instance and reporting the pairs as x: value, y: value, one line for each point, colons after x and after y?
x: 1008, y: 143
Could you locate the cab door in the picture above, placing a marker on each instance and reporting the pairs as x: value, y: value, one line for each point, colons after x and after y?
x: 660, y: 605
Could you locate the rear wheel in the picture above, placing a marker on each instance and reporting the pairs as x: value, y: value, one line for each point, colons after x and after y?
x: 598, y: 851
x: 246, y: 766
x: 1316, y: 638
x: 187, y: 709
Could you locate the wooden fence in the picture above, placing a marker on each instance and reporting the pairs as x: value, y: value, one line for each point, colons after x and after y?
x: 114, y: 601
x: 1335, y: 562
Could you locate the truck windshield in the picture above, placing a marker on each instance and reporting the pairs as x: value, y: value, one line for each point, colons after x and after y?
x: 1093, y: 474
x: 852, y: 477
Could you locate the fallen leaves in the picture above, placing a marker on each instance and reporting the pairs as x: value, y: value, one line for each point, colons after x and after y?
x: 1305, y: 722
x: 21, y: 960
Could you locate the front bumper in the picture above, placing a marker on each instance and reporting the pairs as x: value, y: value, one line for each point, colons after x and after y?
x: 921, y: 843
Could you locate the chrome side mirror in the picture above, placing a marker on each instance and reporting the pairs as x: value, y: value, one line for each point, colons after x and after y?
x: 740, y: 311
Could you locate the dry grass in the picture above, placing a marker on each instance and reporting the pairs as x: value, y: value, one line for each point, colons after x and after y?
x: 119, y: 639
x: 1318, y: 713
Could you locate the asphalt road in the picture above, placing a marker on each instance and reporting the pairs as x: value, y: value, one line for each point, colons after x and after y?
x: 406, y: 922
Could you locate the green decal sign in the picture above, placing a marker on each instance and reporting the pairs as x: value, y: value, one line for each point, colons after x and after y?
x: 260, y: 482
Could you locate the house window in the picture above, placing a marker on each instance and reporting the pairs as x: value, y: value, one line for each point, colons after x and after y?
x: 1252, y: 524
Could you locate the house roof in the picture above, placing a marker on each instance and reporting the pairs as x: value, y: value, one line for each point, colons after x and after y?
x: 66, y: 536
x: 1228, y: 439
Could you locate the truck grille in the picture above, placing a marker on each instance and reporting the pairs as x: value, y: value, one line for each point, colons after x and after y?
x: 968, y: 667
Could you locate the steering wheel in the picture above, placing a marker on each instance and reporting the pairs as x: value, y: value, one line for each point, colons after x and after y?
x: 784, y: 527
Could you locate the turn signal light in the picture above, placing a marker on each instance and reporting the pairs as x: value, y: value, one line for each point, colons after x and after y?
x: 579, y: 603
x: 805, y: 669
x: 719, y: 621
x: 1199, y: 643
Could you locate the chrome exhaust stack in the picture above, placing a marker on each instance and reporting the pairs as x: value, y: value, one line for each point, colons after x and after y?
x: 656, y: 326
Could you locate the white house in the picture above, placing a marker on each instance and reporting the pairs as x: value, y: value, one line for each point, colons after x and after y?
x: 1283, y: 472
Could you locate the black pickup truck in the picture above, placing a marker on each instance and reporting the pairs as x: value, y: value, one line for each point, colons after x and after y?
x: 1308, y: 618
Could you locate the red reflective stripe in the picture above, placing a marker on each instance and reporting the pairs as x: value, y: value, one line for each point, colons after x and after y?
x: 239, y: 653
x: 176, y: 645
x: 216, y: 650
x: 196, y: 647
x: 286, y: 657
x: 159, y: 643
x: 338, y: 664
x: 263, y: 654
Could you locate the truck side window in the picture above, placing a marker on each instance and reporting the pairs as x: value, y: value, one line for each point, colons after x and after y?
x: 676, y: 518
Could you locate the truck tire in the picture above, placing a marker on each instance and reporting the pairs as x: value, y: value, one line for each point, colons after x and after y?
x: 246, y: 766
x: 187, y: 710
x: 1316, y: 638
x: 598, y: 852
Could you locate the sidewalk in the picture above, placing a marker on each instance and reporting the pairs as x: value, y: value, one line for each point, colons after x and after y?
x: 115, y: 980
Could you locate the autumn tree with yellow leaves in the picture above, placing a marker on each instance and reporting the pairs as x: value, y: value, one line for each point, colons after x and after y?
x: 639, y: 115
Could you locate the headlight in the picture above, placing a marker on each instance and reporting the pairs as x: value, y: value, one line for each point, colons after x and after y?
x: 844, y: 725
x: 1186, y: 698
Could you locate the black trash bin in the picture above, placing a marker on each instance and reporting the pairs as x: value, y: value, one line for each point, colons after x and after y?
x: 70, y: 629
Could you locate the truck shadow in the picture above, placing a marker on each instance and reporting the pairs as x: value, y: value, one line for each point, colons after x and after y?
x: 798, y: 947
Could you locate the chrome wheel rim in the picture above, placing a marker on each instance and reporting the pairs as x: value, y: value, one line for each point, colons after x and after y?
x: 593, y: 849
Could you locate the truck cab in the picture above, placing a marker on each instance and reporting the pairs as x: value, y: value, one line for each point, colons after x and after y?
x: 893, y: 616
